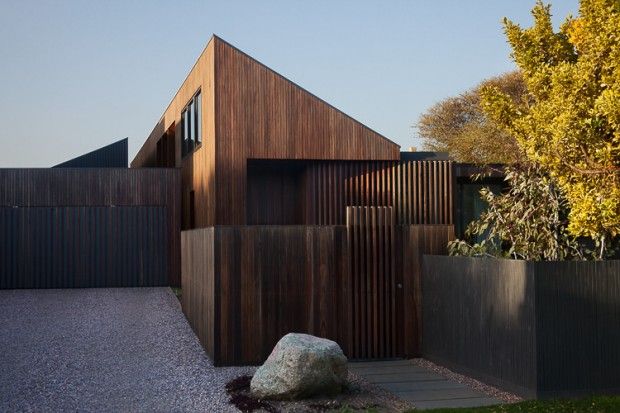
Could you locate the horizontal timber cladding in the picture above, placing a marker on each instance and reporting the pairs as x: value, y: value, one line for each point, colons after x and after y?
x: 244, y: 287
x: 79, y: 247
x: 157, y: 188
x: 541, y: 329
x: 420, y: 192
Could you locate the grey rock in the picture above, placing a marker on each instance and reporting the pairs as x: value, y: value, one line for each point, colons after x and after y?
x: 301, y: 366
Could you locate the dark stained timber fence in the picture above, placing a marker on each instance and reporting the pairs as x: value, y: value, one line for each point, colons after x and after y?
x: 113, y: 226
x: 542, y: 329
x: 198, y: 281
x: 244, y: 287
x: 79, y: 247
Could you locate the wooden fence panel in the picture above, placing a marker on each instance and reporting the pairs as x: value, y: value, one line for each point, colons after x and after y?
x: 412, y: 243
x: 274, y: 280
x: 577, y: 327
x: 101, y: 187
x: 357, y: 285
x: 198, y: 280
x: 479, y: 319
x: 83, y: 247
x: 540, y: 329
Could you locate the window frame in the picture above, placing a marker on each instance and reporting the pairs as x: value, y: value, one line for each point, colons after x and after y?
x: 191, y: 125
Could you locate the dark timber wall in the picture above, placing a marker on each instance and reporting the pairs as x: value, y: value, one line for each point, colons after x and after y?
x: 114, y: 155
x: 318, y: 192
x: 83, y: 247
x: 198, y: 280
x: 58, y: 223
x: 265, y: 281
x: 542, y: 329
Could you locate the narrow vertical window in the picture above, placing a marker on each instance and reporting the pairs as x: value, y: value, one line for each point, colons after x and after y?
x: 198, y: 117
x: 190, y: 126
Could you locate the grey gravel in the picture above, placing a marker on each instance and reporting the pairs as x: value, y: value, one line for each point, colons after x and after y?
x: 104, y: 350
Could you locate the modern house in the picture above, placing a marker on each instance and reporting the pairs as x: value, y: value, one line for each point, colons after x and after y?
x: 255, y: 148
x: 296, y: 216
x: 274, y: 211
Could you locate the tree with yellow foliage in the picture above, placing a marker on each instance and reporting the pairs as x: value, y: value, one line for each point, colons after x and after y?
x: 570, y: 123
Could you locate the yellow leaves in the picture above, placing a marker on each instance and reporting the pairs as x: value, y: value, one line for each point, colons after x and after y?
x: 576, y: 32
x: 572, y: 125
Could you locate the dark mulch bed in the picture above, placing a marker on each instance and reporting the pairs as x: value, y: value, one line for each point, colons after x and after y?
x: 358, y: 396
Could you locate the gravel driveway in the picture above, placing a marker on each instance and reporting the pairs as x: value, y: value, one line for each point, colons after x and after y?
x: 127, y: 349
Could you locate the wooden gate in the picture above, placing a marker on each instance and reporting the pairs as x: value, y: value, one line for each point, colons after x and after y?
x: 374, y: 286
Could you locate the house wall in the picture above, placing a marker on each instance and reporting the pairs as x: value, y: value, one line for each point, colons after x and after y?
x: 251, y: 112
x: 262, y: 115
x: 197, y: 167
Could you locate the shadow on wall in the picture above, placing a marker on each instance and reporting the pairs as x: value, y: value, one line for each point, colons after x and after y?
x: 540, y: 329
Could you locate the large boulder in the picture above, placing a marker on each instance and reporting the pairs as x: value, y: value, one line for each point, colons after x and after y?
x: 301, y: 366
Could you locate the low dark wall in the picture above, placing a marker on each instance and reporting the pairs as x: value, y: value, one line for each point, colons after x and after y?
x: 125, y: 213
x: 577, y: 326
x: 540, y: 329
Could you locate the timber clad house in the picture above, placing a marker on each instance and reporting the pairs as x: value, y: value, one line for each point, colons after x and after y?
x: 294, y: 215
x: 255, y: 148
x: 275, y: 213
x: 273, y: 210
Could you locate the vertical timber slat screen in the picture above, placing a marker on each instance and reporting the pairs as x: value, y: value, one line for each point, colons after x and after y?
x: 371, y: 260
x: 420, y: 192
x: 244, y: 287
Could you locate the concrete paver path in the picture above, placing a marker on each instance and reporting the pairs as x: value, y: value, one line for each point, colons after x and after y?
x: 422, y: 387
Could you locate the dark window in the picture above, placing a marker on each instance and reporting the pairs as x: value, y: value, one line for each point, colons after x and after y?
x: 191, y: 120
x: 192, y: 210
x: 197, y: 113
x: 184, y: 133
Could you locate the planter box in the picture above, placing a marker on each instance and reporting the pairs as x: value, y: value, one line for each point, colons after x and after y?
x: 540, y: 329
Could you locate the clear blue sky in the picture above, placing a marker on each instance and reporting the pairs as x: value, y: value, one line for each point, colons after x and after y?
x: 76, y: 75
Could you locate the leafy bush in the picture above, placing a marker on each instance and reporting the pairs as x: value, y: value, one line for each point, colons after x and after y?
x: 528, y: 221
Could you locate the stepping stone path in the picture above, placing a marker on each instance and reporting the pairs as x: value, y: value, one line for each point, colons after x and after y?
x: 424, y: 388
